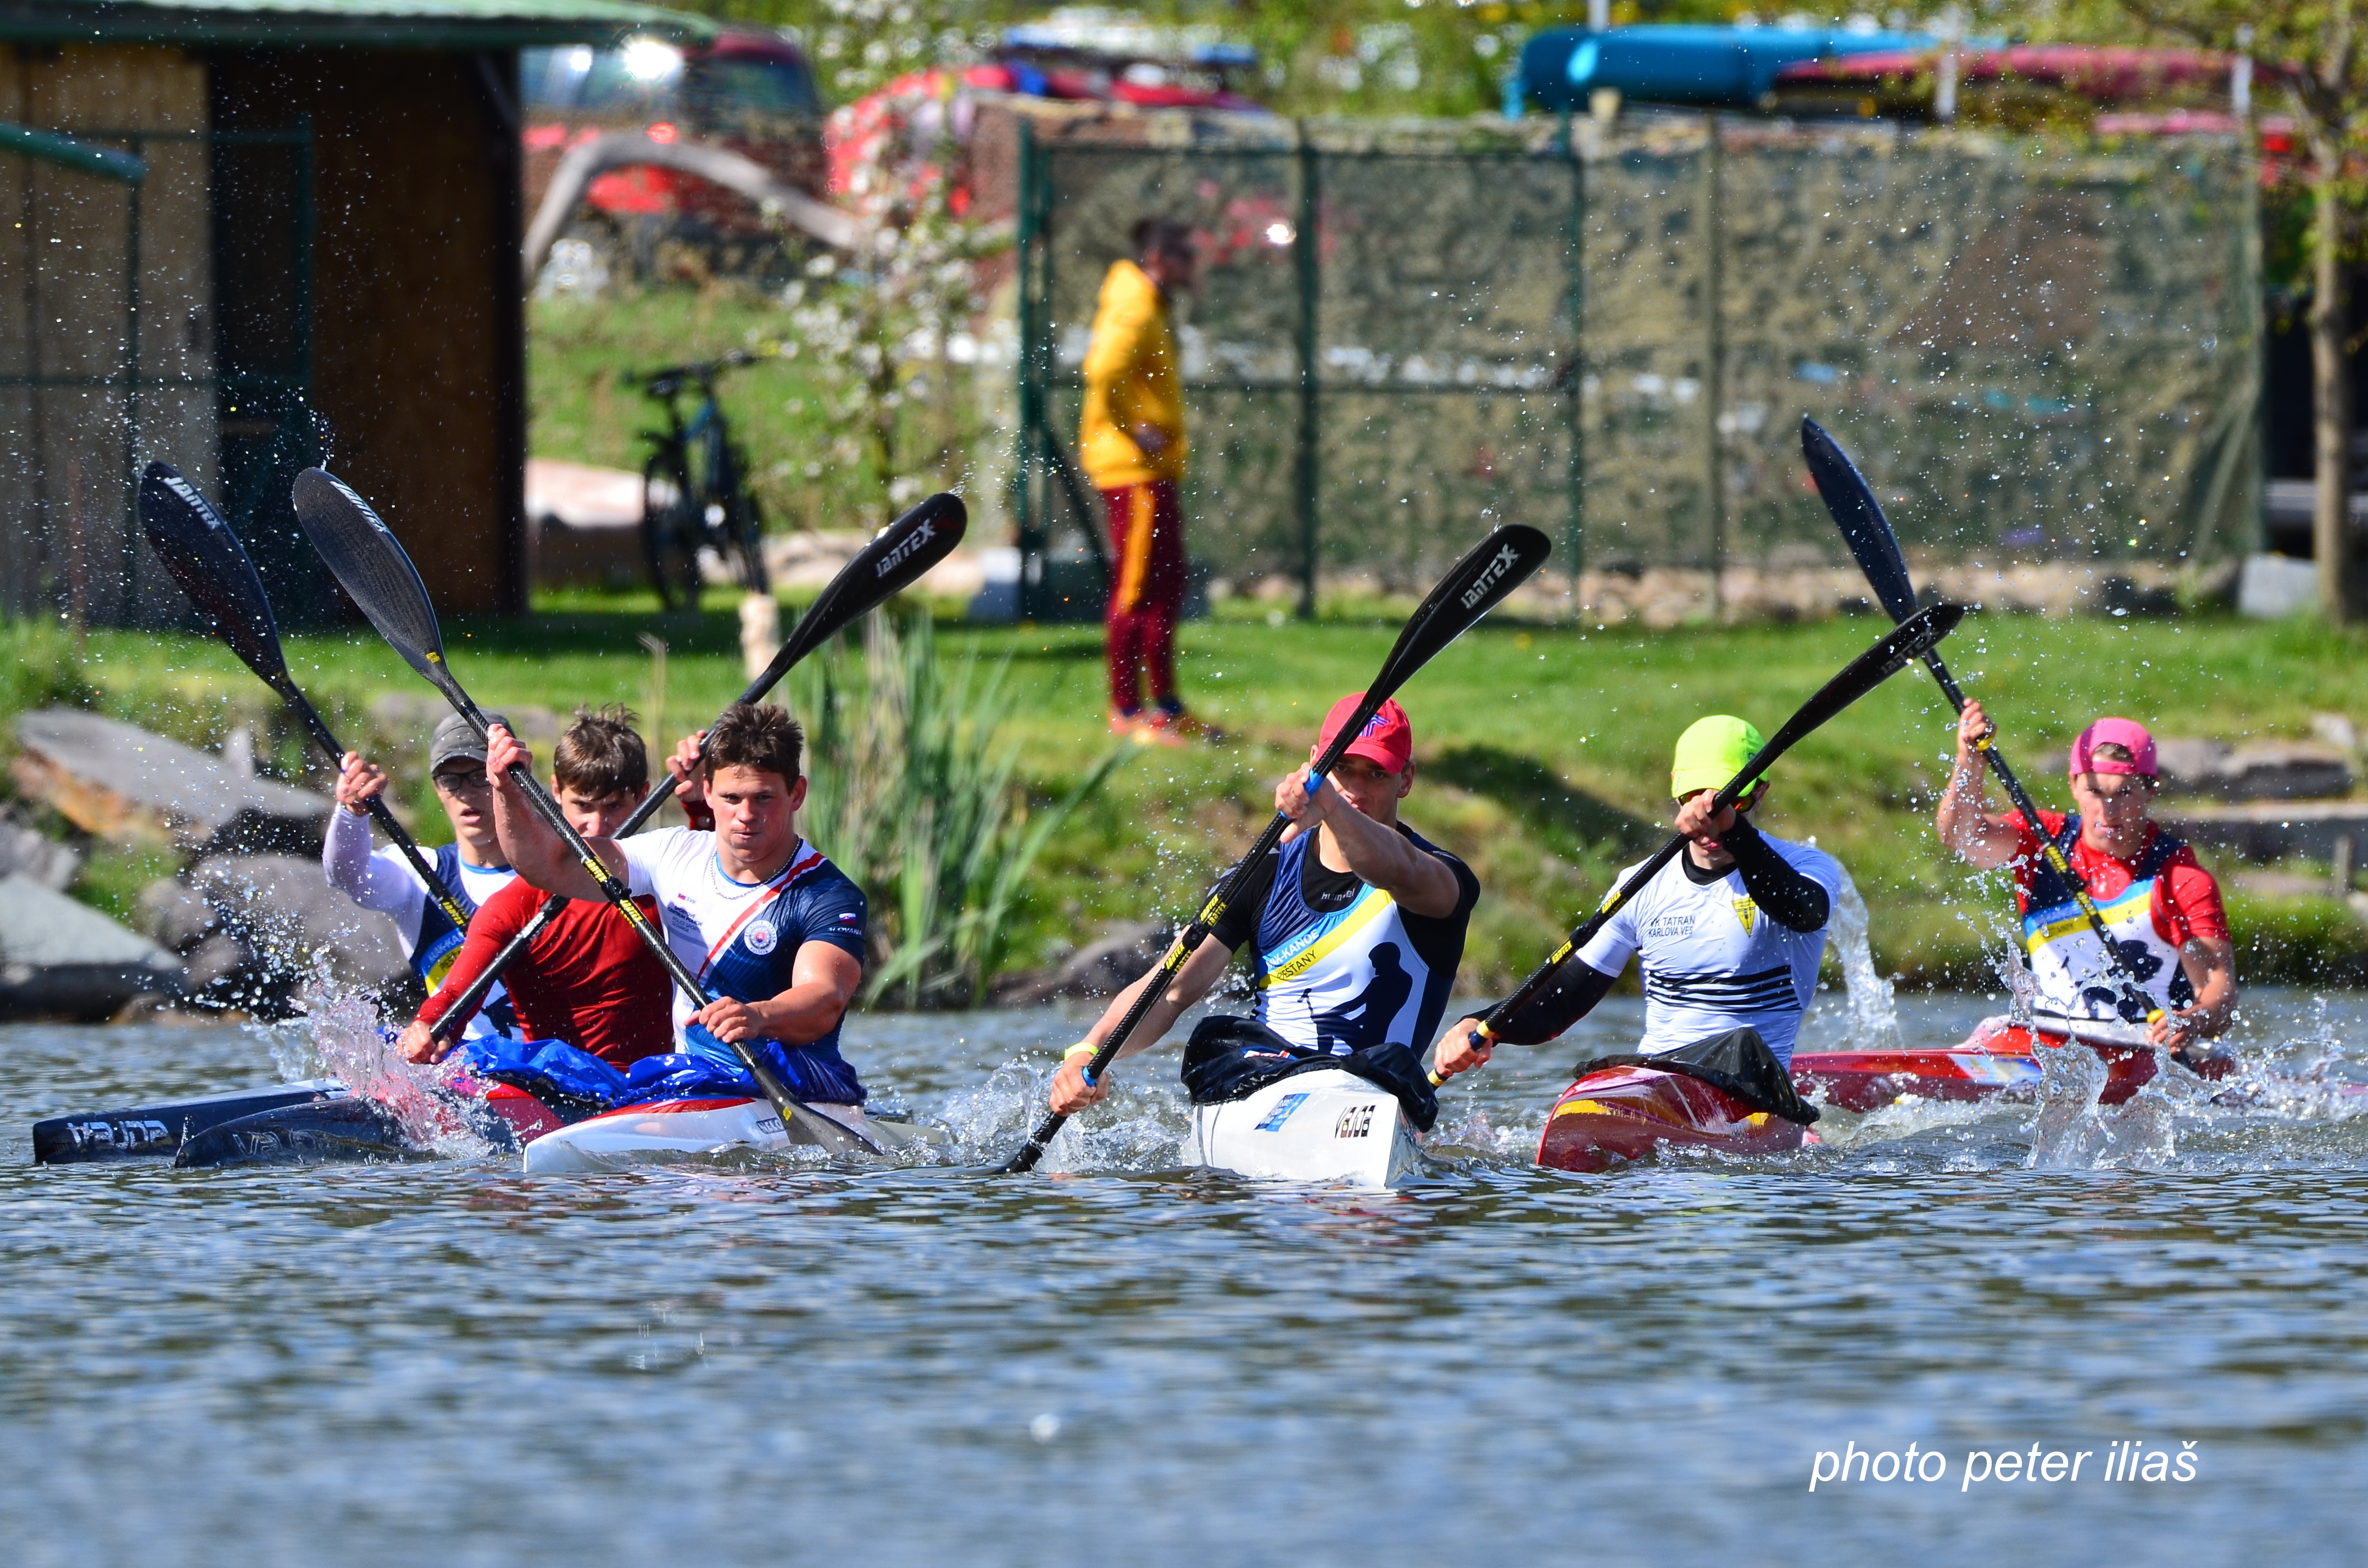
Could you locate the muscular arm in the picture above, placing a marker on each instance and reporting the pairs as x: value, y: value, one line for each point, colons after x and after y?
x: 1570, y: 995
x: 537, y: 853
x: 2210, y: 963
x: 1780, y: 889
x: 1070, y: 1090
x: 1381, y: 857
x: 821, y: 983
x: 1964, y: 820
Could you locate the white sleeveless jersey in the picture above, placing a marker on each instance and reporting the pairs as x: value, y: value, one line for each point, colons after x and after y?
x: 1713, y: 961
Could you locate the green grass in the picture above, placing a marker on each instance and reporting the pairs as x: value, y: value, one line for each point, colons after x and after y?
x: 1543, y: 750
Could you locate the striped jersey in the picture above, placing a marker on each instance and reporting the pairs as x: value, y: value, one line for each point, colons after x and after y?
x: 742, y: 938
x: 1337, y: 966
x: 1711, y: 959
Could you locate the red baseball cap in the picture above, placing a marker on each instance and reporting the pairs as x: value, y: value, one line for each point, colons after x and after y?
x: 2127, y: 734
x: 1387, y: 738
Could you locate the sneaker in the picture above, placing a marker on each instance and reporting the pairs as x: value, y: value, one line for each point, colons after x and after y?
x: 1129, y: 726
x: 1176, y: 722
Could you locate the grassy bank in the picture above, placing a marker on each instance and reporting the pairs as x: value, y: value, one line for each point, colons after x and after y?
x: 1543, y: 750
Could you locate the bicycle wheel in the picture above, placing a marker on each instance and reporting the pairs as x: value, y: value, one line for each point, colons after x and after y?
x: 670, y: 532
x: 744, y: 523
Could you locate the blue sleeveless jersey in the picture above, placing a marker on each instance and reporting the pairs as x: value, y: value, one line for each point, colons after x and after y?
x: 1361, y: 972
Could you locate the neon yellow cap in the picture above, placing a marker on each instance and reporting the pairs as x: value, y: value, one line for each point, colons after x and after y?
x: 1711, y: 752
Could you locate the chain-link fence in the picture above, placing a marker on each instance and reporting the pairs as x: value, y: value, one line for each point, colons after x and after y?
x: 2039, y: 350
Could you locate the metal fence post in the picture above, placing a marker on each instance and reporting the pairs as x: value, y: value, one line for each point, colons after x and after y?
x: 1307, y: 265
x: 129, y: 612
x: 1575, y: 522
x: 1714, y: 356
x: 1030, y: 538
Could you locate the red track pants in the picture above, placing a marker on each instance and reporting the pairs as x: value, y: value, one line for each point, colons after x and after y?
x: 1147, y: 590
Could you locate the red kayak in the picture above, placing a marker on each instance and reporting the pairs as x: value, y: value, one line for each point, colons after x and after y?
x: 1995, y: 1059
x: 1624, y: 1113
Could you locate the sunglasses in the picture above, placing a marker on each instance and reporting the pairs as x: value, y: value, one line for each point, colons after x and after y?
x: 463, y: 783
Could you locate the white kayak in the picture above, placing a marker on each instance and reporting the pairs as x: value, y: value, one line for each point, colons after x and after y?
x: 1326, y: 1125
x: 616, y: 1138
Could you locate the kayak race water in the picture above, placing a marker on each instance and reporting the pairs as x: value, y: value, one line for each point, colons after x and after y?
x: 426, y: 1360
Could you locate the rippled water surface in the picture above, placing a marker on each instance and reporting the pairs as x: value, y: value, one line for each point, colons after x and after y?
x: 446, y: 1362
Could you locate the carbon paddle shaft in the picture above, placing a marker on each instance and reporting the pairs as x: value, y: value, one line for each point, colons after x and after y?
x: 472, y: 996
x: 894, y: 558
x: 1471, y: 587
x: 379, y: 813
x: 1912, y: 637
x: 216, y: 574
x: 1875, y: 545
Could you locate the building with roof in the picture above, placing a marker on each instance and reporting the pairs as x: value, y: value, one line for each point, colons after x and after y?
x: 245, y: 234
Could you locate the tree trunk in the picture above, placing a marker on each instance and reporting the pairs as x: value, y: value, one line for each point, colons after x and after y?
x: 2330, y: 326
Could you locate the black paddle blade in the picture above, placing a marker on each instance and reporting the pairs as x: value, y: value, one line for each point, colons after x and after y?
x: 211, y: 567
x: 1911, y: 640
x: 1864, y: 528
x: 366, y: 558
x: 1471, y: 587
x: 895, y: 559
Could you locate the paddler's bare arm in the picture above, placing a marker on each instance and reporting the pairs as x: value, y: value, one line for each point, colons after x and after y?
x: 1071, y: 1093
x: 534, y: 850
x: 821, y: 983
x: 2211, y: 966
x: 1964, y: 822
x: 1380, y: 855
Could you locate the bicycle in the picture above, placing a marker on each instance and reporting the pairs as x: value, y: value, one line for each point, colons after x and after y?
x: 695, y: 495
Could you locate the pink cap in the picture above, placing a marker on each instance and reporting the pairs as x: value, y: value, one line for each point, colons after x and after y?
x: 1387, y: 738
x: 2127, y: 734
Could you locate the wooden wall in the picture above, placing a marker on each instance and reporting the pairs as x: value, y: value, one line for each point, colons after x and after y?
x: 66, y: 529
x: 418, y: 359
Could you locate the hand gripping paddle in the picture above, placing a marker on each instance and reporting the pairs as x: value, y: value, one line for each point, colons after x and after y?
x: 894, y: 558
x: 1471, y: 587
x: 211, y: 567
x: 1868, y: 532
x: 367, y: 560
x: 1910, y: 639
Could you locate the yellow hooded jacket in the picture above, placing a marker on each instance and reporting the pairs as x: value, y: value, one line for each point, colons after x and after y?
x: 1130, y: 381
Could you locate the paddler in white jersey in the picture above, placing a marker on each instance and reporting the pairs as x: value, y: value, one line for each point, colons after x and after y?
x: 1354, y: 933
x: 1729, y: 932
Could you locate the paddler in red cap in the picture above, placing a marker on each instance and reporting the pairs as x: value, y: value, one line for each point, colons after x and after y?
x: 1354, y: 932
x: 2162, y: 909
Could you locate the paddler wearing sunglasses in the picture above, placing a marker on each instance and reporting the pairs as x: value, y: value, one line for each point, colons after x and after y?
x: 2161, y: 908
x: 1728, y: 934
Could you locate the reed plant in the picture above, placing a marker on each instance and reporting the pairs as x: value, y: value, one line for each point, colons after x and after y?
x: 913, y: 792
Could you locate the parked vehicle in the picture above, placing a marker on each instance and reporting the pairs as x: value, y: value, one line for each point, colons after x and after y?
x: 751, y: 90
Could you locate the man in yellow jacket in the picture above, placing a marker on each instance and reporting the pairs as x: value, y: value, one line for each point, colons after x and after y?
x: 1133, y: 446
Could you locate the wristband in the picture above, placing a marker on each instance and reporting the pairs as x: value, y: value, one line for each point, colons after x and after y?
x: 1083, y: 1048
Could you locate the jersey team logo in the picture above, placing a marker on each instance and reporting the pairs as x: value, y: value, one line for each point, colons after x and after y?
x: 1746, y: 912
x: 760, y: 937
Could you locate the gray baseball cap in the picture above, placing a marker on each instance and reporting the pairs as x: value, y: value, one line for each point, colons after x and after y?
x: 456, y: 741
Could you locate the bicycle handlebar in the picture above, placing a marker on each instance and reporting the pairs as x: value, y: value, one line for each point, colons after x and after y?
x: 666, y: 382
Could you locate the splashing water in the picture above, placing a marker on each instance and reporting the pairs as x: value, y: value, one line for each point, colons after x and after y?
x: 338, y: 1036
x: 1874, y: 1016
